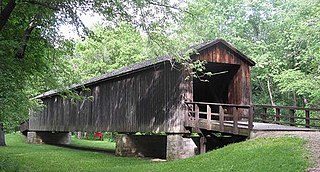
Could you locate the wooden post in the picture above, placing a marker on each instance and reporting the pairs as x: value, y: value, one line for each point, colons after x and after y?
x: 196, y: 112
x: 221, y: 118
x: 208, y: 117
x: 292, y: 123
x: 250, y: 119
x: 235, y: 115
x: 208, y: 112
x: 203, y: 141
x: 307, y: 119
x: 277, y: 116
x: 264, y: 115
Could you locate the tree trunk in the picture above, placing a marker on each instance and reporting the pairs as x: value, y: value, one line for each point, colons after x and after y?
x: 295, y: 101
x: 6, y: 13
x: 2, y: 135
x: 270, y: 92
x: 79, y: 135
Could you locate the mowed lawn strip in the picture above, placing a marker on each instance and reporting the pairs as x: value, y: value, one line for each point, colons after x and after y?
x: 264, y: 154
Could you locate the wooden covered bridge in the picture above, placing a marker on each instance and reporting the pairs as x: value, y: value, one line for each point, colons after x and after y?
x: 154, y: 96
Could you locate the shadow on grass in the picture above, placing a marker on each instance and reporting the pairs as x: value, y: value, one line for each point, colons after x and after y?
x: 89, y: 149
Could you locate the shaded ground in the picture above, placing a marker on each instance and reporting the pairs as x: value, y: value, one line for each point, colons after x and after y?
x: 90, y: 149
x: 312, y: 138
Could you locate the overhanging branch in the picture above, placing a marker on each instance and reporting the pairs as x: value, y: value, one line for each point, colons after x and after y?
x: 5, y: 14
x: 26, y: 36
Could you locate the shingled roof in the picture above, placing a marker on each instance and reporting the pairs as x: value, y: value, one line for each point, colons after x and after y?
x: 147, y: 64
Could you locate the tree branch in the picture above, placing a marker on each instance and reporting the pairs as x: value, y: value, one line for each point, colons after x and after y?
x: 5, y: 14
x: 26, y: 36
x: 46, y: 5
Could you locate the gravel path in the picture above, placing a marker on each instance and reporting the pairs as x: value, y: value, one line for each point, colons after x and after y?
x: 312, y: 138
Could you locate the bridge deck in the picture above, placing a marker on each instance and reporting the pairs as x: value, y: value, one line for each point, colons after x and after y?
x: 229, y: 120
x: 258, y: 126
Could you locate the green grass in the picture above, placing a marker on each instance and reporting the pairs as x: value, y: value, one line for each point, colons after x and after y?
x: 271, y: 154
x: 93, y: 144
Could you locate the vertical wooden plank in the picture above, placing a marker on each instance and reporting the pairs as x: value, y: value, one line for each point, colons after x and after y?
x: 235, y: 115
x: 307, y: 112
x: 221, y: 118
x: 203, y: 141
x: 208, y: 112
x: 208, y: 117
x: 277, y: 116
x: 196, y: 110
x: 292, y: 121
x: 250, y: 119
x: 264, y: 115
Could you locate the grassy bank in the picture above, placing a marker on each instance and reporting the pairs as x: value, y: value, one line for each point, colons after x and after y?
x: 272, y: 154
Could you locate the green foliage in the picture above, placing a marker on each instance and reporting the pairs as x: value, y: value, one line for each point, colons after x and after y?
x: 108, y: 49
x: 34, y: 25
x: 264, y: 154
x: 279, y: 35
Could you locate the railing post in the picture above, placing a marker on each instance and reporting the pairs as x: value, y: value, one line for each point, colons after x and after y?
x: 264, y: 115
x: 208, y: 112
x: 250, y: 119
x: 277, y: 116
x: 292, y: 122
x: 307, y: 119
x: 221, y: 118
x: 235, y: 115
x: 196, y: 112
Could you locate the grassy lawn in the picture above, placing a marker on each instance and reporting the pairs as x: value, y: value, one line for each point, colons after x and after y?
x: 271, y: 154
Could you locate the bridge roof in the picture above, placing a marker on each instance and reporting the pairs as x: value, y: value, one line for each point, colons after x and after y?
x: 145, y: 65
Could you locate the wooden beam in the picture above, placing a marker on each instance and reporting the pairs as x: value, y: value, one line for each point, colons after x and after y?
x: 250, y: 119
x: 208, y: 117
x: 202, y: 145
x: 196, y: 112
x: 277, y: 116
x: 208, y: 112
x: 307, y: 119
x: 221, y: 118
x: 292, y: 122
x: 235, y: 114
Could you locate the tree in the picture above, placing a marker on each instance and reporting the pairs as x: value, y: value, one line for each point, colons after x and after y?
x: 32, y: 51
x: 279, y: 35
x: 109, y: 48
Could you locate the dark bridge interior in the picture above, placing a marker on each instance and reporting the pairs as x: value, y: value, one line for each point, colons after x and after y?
x: 216, y: 90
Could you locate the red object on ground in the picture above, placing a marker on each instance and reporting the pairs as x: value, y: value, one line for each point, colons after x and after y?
x: 98, y: 134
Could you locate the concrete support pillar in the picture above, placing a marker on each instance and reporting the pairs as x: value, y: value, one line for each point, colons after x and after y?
x: 179, y: 147
x: 48, y: 137
x: 141, y: 145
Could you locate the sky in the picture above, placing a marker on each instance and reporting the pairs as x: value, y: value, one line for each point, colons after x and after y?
x: 88, y: 19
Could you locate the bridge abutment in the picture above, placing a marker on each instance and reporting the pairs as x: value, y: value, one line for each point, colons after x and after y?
x: 179, y: 147
x: 48, y: 137
x: 141, y: 145
x: 170, y: 147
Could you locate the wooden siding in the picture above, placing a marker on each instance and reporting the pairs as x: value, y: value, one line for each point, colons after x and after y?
x: 149, y: 98
x: 145, y: 101
x: 239, y: 91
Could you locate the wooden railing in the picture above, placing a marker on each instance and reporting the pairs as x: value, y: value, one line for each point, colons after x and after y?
x: 221, y: 115
x: 288, y: 115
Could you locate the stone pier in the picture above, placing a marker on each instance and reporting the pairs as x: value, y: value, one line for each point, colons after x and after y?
x: 170, y: 147
x: 179, y: 147
x: 48, y: 137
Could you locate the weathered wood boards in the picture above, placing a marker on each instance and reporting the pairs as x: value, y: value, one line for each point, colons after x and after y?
x: 148, y: 97
x: 149, y: 100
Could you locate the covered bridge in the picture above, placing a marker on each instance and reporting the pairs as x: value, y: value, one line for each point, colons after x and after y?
x: 154, y: 96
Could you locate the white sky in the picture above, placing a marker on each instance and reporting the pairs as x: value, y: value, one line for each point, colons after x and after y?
x: 89, y: 20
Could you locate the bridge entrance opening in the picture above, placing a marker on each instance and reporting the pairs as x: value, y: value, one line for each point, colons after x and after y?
x: 215, y: 88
